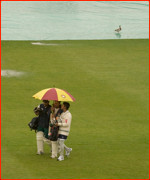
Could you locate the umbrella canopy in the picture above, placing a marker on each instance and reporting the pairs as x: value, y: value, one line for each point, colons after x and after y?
x: 54, y: 94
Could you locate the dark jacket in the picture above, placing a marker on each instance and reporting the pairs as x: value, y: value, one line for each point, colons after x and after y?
x: 44, y: 116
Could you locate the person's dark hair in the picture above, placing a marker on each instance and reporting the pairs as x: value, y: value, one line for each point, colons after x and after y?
x: 46, y: 101
x: 60, y: 104
x: 66, y: 104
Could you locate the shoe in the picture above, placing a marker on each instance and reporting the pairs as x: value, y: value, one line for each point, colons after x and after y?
x: 52, y: 156
x: 39, y: 153
x: 68, y: 151
x: 61, y: 158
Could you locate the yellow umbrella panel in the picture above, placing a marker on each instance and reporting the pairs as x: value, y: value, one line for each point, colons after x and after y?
x: 54, y: 94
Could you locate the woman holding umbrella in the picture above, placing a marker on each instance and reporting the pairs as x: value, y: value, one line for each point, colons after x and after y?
x: 53, y: 130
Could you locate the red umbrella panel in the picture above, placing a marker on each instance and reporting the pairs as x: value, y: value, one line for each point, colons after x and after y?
x: 54, y: 94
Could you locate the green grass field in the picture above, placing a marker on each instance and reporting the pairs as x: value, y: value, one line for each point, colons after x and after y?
x: 110, y: 126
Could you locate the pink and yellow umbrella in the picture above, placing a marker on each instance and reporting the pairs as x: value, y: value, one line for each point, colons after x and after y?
x: 54, y: 94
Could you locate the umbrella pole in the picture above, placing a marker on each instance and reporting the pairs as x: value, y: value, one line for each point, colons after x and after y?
x: 49, y: 124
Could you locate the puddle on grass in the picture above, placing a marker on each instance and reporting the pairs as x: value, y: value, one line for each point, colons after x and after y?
x: 11, y: 73
x: 38, y: 43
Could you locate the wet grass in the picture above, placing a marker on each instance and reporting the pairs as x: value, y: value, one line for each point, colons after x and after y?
x: 109, y: 131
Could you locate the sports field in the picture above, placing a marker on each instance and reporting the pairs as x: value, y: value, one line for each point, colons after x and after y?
x: 110, y: 127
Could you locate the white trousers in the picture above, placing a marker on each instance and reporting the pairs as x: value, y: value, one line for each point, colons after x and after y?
x: 53, y: 145
x: 54, y: 148
x: 62, y: 146
x: 40, y: 143
x: 47, y: 141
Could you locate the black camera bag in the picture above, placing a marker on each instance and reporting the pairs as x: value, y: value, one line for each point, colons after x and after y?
x: 33, y: 124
